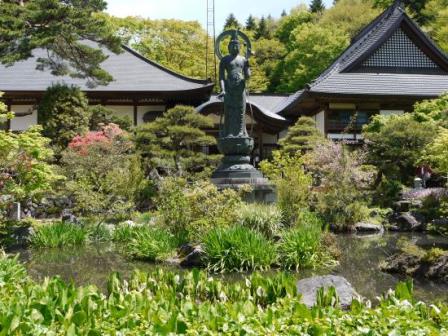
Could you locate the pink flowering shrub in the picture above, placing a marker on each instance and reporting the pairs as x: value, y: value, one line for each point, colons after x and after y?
x: 103, y: 138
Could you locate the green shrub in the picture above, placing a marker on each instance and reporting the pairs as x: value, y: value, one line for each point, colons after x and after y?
x: 308, y: 219
x: 292, y: 184
x: 190, y: 211
x: 150, y: 244
x: 300, y: 247
x: 59, y: 234
x: 266, y: 219
x: 64, y: 113
x: 238, y: 249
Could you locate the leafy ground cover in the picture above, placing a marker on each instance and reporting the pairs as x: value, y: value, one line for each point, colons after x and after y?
x: 163, y: 303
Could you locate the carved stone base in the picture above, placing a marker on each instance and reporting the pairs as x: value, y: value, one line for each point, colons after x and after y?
x: 236, y: 170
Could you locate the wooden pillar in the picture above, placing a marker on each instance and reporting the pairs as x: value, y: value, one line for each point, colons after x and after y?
x: 135, y: 113
x: 260, y: 141
x: 8, y: 123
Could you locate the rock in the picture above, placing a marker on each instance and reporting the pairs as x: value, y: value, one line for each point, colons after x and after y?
x: 308, y: 289
x: 368, y: 228
x: 401, y: 263
x: 410, y: 221
x: 438, y: 269
x: 67, y: 216
x: 193, y: 256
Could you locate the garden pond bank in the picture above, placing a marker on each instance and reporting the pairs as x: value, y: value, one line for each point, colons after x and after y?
x: 359, y: 264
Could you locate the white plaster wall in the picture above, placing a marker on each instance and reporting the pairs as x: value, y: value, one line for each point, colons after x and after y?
x: 22, y: 123
x: 320, y: 121
x: 141, y: 110
x: 122, y: 111
x: 391, y: 112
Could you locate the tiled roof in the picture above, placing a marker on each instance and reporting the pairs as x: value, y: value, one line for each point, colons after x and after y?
x: 130, y: 70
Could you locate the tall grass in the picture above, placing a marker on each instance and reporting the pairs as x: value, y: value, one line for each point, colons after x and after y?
x: 300, y: 247
x: 59, y: 234
x: 150, y: 244
x: 238, y: 249
x: 266, y: 219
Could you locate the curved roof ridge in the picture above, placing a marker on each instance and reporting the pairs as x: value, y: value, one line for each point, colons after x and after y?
x: 163, y: 68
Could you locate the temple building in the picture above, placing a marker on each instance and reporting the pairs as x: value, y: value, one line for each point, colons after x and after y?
x: 389, y: 66
x: 141, y: 89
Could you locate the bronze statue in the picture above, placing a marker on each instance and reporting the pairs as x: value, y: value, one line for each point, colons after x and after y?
x: 234, y: 71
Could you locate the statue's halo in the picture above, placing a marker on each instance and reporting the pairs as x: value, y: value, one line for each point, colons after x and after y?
x: 231, y: 33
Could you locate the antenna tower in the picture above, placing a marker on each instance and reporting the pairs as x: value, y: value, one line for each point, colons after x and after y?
x: 210, y: 58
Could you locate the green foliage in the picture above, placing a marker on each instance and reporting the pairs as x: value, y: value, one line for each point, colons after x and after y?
x: 101, y: 115
x: 349, y: 15
x: 59, y: 234
x: 25, y: 171
x: 301, y: 138
x: 103, y: 178
x: 5, y: 115
x: 238, y: 248
x: 311, y: 50
x: 395, y: 144
x: 175, y: 44
x: 194, y: 303
x: 150, y: 244
x: 289, y: 23
x: 436, y: 12
x: 173, y: 143
x: 436, y: 152
x: 191, y: 211
x: 435, y: 110
x: 61, y: 28
x: 266, y: 219
x: 343, y: 184
x: 63, y: 113
x: 292, y: 184
x: 231, y: 22
x: 327, y: 297
x: 317, y: 6
x: 300, y: 247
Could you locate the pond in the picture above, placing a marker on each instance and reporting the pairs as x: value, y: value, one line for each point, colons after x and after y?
x: 358, y: 264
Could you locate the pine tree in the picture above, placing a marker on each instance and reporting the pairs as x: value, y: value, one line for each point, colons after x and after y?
x: 58, y: 26
x: 317, y: 6
x: 251, y: 24
x: 63, y: 113
x: 301, y: 138
x: 173, y: 143
x: 262, y: 30
x: 231, y: 22
x: 284, y: 13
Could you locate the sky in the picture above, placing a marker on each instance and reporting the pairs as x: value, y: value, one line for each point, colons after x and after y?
x: 197, y: 9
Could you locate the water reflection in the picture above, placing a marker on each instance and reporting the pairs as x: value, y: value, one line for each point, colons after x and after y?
x: 359, y: 264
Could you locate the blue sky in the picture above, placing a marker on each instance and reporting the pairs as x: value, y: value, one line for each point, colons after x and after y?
x: 196, y: 9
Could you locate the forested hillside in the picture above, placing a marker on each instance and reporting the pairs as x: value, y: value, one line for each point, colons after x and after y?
x: 290, y: 51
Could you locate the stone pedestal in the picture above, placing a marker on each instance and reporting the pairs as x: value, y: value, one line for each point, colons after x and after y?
x: 236, y: 170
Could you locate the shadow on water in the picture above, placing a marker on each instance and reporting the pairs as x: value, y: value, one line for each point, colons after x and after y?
x: 359, y: 264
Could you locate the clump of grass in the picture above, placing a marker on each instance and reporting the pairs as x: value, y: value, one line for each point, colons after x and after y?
x: 238, y: 249
x: 266, y: 219
x: 59, y: 234
x: 300, y: 247
x: 150, y: 244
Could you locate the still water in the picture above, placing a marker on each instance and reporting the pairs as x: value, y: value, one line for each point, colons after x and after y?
x: 358, y: 264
